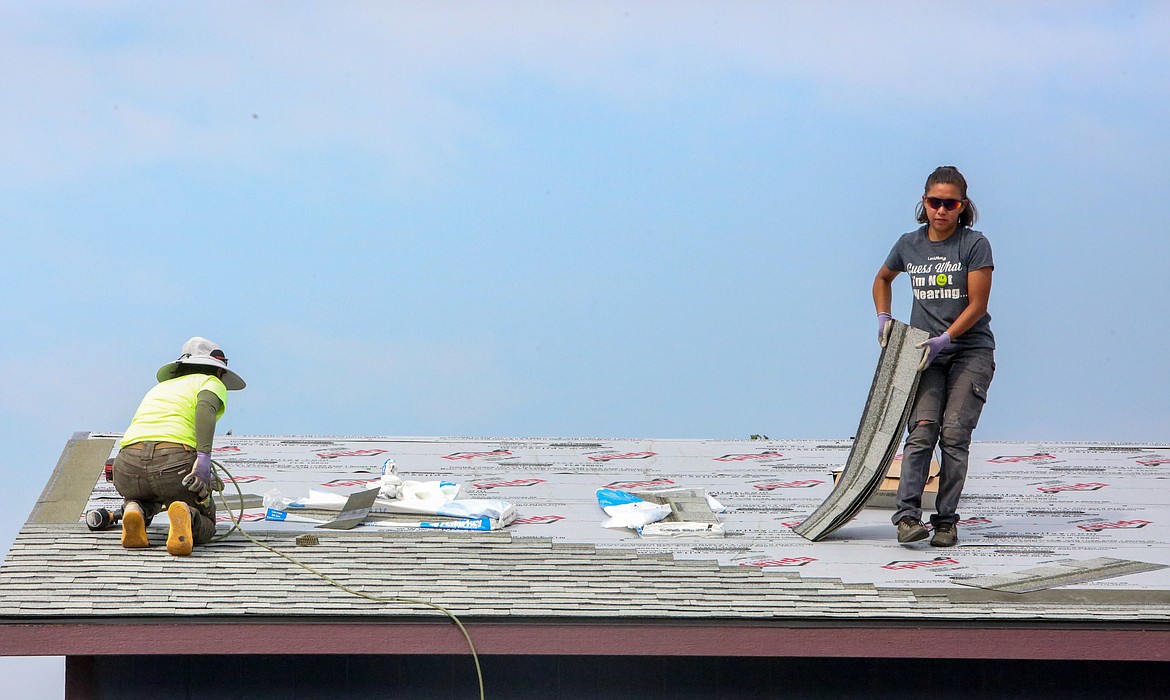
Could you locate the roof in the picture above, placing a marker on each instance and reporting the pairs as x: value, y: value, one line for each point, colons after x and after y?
x: 521, y: 589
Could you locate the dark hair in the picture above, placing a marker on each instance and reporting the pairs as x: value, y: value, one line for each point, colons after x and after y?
x: 949, y: 175
x: 184, y: 368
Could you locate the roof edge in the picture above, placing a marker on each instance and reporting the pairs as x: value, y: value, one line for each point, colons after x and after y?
x: 814, y: 639
x: 65, y: 495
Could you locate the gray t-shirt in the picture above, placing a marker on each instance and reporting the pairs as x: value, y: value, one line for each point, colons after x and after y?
x: 938, y: 276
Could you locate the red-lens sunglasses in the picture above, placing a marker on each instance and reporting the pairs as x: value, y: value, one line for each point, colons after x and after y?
x: 938, y: 202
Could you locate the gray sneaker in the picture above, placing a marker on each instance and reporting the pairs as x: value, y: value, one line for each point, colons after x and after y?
x: 945, y: 535
x: 911, y: 530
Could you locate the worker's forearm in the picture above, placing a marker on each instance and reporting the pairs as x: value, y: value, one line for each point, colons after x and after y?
x: 968, y: 318
x: 206, y: 411
x: 978, y: 293
x: 883, y: 295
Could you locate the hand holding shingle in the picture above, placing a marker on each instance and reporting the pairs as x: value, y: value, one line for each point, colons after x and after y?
x: 932, y: 347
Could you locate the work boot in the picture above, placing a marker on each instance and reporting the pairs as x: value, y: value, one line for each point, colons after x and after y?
x: 134, y: 527
x: 179, y: 540
x: 911, y: 530
x: 945, y: 535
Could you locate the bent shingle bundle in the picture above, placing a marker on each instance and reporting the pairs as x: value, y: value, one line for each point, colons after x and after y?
x: 886, y: 411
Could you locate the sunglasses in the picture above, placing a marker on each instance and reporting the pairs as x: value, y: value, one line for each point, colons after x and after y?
x: 948, y: 204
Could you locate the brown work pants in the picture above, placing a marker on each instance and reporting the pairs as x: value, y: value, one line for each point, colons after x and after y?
x: 151, y: 474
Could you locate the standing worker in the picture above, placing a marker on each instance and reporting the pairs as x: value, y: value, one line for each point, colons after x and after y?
x: 165, y: 455
x: 950, y: 267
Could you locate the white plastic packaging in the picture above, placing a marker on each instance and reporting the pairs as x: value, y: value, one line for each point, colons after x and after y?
x: 390, y: 485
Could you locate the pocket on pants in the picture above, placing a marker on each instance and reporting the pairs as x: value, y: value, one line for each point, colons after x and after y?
x: 973, y: 406
x: 168, y: 479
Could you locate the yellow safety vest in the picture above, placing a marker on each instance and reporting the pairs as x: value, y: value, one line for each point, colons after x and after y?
x: 167, y: 412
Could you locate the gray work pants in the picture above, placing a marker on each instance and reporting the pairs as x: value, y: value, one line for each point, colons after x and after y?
x: 151, y: 475
x: 951, y: 394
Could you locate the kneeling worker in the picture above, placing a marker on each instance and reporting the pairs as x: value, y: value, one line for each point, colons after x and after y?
x: 165, y: 455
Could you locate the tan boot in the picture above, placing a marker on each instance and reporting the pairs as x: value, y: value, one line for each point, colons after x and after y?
x: 134, y: 527
x: 179, y: 540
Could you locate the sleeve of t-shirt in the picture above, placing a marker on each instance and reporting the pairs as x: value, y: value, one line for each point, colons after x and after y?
x: 894, y: 260
x: 215, y: 385
x: 981, y: 255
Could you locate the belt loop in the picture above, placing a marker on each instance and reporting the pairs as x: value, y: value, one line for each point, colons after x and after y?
x: 148, y: 450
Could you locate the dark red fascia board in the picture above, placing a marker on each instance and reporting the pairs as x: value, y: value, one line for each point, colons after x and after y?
x: 1063, y: 642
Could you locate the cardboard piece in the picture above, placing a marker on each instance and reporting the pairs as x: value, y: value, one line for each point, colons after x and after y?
x: 887, y: 494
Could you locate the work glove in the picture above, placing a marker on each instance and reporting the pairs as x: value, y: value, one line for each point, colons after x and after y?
x: 931, y: 348
x: 198, y: 480
x: 885, y: 324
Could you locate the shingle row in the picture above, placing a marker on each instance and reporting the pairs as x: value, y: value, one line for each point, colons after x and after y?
x: 52, y: 573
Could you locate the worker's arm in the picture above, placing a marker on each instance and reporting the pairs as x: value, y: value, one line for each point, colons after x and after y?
x: 199, y: 480
x: 883, y: 297
x: 206, y: 412
x: 978, y: 292
x: 883, y: 291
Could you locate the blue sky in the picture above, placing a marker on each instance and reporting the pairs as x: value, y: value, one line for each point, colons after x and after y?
x: 567, y: 219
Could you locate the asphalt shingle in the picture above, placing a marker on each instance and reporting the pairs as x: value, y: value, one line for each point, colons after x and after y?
x: 61, y: 570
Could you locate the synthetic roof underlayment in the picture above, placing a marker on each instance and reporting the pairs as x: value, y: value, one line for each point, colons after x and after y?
x: 1086, y: 524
